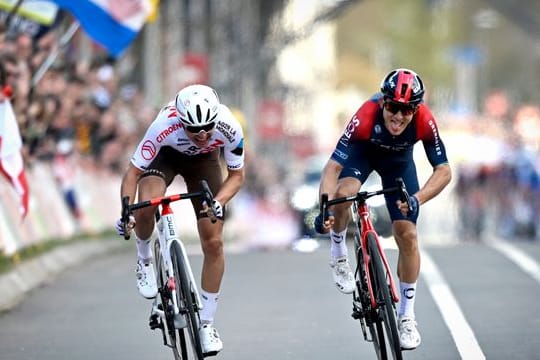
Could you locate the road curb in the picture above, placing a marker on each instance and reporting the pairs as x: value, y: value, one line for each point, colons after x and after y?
x: 15, y: 284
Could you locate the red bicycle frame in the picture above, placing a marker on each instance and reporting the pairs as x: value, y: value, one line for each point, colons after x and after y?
x: 366, y: 227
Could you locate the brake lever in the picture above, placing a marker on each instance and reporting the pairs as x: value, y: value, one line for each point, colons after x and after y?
x: 403, y: 194
x: 208, y: 197
x: 324, y: 206
x: 125, y: 216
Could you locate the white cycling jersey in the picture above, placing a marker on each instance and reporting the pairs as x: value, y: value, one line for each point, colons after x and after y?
x: 168, y: 130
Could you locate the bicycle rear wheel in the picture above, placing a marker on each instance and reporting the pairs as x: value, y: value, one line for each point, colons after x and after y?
x: 185, y: 298
x: 385, y: 304
x: 177, y: 337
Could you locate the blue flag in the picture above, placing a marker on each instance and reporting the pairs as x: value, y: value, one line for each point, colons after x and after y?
x: 114, y: 24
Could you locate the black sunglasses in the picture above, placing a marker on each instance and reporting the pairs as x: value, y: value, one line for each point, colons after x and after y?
x: 198, y: 129
x: 394, y: 108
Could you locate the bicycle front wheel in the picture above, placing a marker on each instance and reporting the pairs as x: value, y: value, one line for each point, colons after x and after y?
x: 385, y: 304
x: 177, y: 337
x: 362, y: 309
x: 185, y: 298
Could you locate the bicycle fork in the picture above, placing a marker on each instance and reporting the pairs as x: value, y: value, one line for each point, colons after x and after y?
x: 168, y: 236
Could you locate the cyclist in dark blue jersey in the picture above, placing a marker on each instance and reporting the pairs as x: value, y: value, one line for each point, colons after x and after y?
x: 380, y: 137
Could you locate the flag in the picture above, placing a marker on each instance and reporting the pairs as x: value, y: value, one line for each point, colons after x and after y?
x: 114, y: 24
x: 11, y: 161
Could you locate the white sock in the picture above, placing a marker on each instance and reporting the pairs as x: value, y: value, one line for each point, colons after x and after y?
x: 338, y: 245
x: 209, y: 303
x: 144, y: 251
x: 407, y: 295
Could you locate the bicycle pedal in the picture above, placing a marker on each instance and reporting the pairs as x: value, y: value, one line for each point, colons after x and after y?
x: 356, y: 315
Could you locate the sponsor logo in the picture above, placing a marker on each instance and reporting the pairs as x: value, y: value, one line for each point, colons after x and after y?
x: 193, y: 150
x: 172, y: 112
x: 168, y: 131
x: 353, y: 124
x: 341, y: 154
x: 181, y: 141
x: 438, y: 149
x: 377, y: 129
x: 226, y: 130
x: 408, y: 293
x: 233, y: 167
x: 170, y: 227
x: 148, y: 150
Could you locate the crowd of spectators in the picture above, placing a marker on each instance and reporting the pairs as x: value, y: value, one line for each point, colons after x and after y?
x: 82, y: 105
x: 498, y: 178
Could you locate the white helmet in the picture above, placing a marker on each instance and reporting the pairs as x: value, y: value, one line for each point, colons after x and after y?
x: 197, y: 105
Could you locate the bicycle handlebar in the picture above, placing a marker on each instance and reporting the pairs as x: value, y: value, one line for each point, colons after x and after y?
x: 364, y: 195
x: 127, y: 209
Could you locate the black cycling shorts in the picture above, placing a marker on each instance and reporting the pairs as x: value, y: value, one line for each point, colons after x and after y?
x: 193, y: 169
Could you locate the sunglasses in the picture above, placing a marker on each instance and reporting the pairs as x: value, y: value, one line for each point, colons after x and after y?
x: 198, y: 129
x: 394, y: 108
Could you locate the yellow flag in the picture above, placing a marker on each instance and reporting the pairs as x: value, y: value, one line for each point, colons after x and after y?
x: 155, y: 10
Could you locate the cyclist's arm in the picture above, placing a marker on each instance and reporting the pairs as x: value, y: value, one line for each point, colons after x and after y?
x: 329, y: 178
x: 231, y: 185
x: 129, y: 183
x: 441, y: 176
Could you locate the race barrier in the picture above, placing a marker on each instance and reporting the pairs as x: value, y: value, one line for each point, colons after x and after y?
x: 98, y: 195
x: 49, y: 217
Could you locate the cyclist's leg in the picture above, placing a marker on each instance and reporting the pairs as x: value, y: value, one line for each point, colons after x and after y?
x: 351, y: 178
x: 207, y: 167
x: 404, y: 227
x: 152, y: 183
x: 408, y: 268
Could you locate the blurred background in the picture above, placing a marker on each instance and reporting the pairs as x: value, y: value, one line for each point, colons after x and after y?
x: 294, y: 72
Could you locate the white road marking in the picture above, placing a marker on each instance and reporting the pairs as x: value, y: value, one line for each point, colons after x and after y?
x: 522, y: 260
x: 459, y: 328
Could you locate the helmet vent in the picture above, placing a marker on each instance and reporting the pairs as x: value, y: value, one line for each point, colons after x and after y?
x: 190, y: 118
x: 199, y: 114
x: 403, y: 90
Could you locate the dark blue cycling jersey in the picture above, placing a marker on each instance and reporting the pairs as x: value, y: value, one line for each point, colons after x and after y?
x: 366, y: 145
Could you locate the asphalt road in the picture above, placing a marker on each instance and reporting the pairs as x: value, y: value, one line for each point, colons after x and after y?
x: 282, y: 305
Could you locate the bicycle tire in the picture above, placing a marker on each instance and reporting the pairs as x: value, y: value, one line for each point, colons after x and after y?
x: 381, y: 290
x: 367, y: 316
x: 177, y: 337
x: 185, y: 297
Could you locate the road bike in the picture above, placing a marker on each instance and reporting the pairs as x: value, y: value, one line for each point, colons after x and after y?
x: 176, y: 308
x: 375, y: 296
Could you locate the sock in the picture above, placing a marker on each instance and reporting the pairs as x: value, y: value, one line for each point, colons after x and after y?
x: 144, y: 251
x: 209, y: 304
x: 407, y: 295
x: 338, y: 245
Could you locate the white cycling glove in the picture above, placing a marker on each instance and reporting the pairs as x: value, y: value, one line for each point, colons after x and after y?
x: 120, y: 225
x: 218, y: 209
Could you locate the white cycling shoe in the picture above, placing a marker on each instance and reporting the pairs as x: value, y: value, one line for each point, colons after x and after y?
x: 409, y: 337
x: 343, y: 276
x: 210, y: 341
x: 146, y: 279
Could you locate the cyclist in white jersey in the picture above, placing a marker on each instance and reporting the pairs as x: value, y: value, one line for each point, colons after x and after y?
x: 185, y: 139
